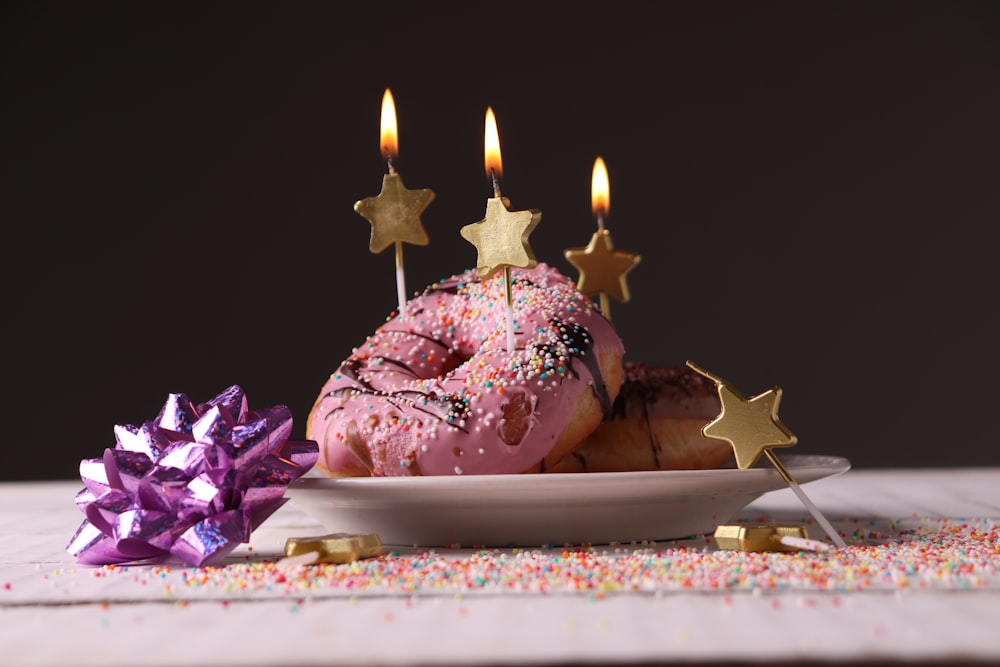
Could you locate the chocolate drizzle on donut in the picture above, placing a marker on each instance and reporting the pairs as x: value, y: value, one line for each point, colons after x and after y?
x: 657, y: 390
x: 648, y: 385
x: 581, y: 347
x: 450, y: 408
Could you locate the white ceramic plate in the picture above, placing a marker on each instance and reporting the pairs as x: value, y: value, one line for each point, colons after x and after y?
x: 549, y: 509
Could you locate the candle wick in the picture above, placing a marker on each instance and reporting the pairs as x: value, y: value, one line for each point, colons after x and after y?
x: 600, y: 221
x: 496, y: 183
x: 391, y: 164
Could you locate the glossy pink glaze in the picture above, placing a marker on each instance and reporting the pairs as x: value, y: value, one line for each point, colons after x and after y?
x: 427, y: 391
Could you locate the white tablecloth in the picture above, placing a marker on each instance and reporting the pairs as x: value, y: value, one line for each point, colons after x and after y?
x: 940, y: 605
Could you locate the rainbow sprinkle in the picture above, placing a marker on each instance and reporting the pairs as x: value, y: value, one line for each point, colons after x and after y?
x: 910, y: 554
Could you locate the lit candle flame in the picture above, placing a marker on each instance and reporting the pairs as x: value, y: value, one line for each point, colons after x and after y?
x: 600, y: 192
x: 494, y: 165
x: 388, y: 139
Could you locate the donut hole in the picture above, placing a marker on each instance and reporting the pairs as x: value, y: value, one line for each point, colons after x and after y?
x: 451, y: 362
x: 518, y: 413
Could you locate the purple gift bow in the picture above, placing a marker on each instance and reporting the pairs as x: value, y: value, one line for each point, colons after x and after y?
x: 193, y: 483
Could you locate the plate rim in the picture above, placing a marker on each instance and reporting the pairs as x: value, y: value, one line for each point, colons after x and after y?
x: 791, y: 462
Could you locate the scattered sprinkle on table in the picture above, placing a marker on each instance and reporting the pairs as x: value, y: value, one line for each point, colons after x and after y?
x: 912, y: 554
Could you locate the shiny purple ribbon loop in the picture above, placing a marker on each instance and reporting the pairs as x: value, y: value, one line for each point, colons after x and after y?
x: 191, y: 484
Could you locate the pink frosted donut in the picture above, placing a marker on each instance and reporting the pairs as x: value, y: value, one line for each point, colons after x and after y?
x: 435, y: 391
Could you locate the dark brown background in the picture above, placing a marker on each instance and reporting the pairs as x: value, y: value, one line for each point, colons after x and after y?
x: 812, y: 187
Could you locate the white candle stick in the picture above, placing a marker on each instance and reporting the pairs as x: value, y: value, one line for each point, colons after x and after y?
x: 816, y: 514
x: 813, y: 510
x: 300, y: 560
x: 804, y: 543
x: 400, y: 278
x: 509, y: 307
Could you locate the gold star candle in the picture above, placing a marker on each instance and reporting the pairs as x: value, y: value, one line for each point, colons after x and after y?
x: 395, y: 213
x: 751, y: 426
x: 501, y: 238
x: 602, y: 268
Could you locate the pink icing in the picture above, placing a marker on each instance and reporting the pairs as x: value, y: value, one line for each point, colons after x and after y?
x: 427, y: 391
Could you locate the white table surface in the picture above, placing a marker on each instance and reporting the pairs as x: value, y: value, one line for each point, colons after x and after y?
x: 55, y: 612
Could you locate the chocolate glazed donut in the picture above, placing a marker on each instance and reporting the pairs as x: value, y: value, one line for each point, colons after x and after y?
x: 655, y: 424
